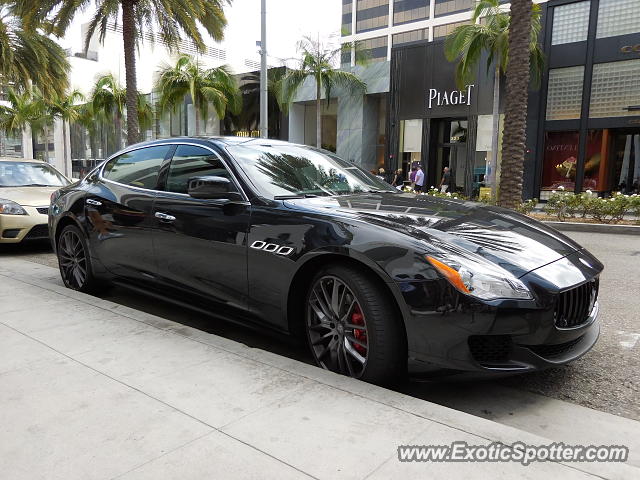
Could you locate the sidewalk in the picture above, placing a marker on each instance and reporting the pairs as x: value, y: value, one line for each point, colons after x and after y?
x: 93, y: 390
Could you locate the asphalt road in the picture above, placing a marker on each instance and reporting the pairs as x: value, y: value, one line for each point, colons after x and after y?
x: 606, y: 379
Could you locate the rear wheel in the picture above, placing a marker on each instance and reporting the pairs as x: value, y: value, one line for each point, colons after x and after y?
x: 74, y: 261
x: 352, y: 327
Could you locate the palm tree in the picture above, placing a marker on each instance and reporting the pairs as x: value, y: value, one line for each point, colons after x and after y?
x: 249, y: 117
x: 145, y: 113
x: 522, y: 34
x: 28, y: 57
x: 66, y: 107
x: 317, y: 62
x: 91, y: 121
x: 42, y: 118
x: 214, y: 86
x: 488, y: 33
x: 173, y: 19
x: 22, y: 112
x: 109, y: 99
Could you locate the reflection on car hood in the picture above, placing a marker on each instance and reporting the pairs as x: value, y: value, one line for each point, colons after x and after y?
x: 28, y: 196
x: 514, y: 241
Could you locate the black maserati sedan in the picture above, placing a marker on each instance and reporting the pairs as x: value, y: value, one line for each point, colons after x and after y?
x: 377, y: 282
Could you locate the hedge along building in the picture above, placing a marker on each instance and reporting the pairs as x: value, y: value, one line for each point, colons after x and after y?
x: 583, y: 125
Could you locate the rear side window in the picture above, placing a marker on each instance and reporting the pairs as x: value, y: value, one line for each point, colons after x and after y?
x: 190, y: 161
x: 138, y: 168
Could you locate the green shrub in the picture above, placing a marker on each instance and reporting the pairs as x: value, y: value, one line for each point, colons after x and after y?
x: 564, y: 205
x: 527, y: 206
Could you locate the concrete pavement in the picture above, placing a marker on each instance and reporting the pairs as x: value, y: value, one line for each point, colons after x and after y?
x: 93, y: 390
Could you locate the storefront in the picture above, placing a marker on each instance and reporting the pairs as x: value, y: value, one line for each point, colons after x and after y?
x: 436, y: 123
x: 583, y: 128
x: 589, y: 132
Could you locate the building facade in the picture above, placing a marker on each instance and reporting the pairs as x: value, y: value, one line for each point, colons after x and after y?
x: 584, y: 118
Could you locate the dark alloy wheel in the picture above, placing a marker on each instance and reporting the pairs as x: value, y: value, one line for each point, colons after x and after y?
x: 74, y: 261
x: 351, y: 327
x: 337, y: 328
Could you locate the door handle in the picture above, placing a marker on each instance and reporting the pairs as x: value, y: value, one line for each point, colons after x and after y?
x: 165, y: 217
x: 91, y: 201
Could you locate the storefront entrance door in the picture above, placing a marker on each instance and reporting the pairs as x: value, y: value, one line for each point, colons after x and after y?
x: 448, y: 148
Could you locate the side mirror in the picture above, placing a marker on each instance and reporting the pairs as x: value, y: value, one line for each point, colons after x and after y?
x: 211, y: 188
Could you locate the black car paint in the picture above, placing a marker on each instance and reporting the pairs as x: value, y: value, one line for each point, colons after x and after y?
x: 387, y: 233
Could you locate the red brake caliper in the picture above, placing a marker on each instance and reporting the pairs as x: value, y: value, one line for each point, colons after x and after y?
x: 358, y: 319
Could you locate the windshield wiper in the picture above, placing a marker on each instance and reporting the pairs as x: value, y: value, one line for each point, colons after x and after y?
x: 294, y: 195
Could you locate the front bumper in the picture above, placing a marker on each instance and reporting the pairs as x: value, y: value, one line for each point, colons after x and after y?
x: 16, y: 228
x: 492, y: 340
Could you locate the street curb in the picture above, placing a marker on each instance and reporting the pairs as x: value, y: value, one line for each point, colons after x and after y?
x: 488, y: 430
x: 595, y: 228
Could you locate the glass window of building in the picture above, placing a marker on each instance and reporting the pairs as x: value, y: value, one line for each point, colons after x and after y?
x: 440, y: 31
x: 347, y: 11
x: 371, y: 14
x: 560, y: 161
x: 445, y: 7
x: 412, y: 36
x: 570, y: 23
x: 618, y: 17
x: 345, y: 55
x: 375, y: 49
x: 564, y: 96
x: 410, y: 11
x: 615, y: 88
x: 623, y: 174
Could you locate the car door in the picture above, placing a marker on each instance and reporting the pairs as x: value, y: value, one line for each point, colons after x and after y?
x: 200, y: 245
x: 119, y: 211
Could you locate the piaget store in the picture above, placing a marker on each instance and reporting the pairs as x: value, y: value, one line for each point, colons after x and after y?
x: 589, y: 132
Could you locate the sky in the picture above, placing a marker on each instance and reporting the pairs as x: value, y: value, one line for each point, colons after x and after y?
x: 287, y: 22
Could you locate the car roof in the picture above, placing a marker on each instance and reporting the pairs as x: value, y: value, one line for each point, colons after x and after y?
x: 218, y: 140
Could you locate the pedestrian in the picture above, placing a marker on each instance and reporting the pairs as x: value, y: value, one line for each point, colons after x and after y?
x: 382, y: 174
x: 446, y: 180
x: 419, y: 179
x: 412, y: 177
x: 397, y: 178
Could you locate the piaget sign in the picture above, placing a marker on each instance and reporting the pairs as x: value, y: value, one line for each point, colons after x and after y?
x: 438, y: 98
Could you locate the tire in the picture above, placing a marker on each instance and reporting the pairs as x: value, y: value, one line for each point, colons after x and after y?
x: 74, y: 261
x: 333, y: 337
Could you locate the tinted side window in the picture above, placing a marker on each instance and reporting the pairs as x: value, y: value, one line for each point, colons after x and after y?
x: 190, y: 161
x: 138, y: 168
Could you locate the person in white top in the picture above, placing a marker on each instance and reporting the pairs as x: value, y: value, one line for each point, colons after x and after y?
x: 419, y: 179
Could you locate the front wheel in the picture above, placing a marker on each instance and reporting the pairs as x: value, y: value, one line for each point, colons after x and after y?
x: 352, y: 327
x: 74, y: 261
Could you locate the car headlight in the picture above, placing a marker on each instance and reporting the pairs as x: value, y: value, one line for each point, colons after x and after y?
x: 478, y: 278
x: 7, y: 207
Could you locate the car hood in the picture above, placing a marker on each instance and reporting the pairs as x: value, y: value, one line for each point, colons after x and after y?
x: 515, y: 242
x: 28, y: 196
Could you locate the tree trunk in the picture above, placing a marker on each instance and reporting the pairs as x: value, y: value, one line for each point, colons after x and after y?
x: 515, y: 121
x: 197, y: 115
x: 68, y: 168
x: 493, y: 177
x: 46, y: 142
x: 318, y: 113
x: 118, y: 125
x: 129, y: 40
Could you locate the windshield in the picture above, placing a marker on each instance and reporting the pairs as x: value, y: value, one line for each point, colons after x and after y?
x: 290, y: 170
x: 27, y: 174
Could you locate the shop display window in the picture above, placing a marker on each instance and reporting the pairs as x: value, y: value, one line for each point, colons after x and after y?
x: 595, y: 162
x: 560, y: 160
